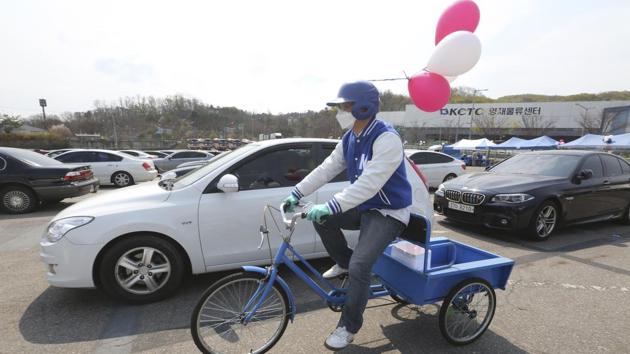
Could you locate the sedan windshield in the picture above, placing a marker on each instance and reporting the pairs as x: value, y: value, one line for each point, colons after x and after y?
x: 213, y: 163
x: 544, y: 165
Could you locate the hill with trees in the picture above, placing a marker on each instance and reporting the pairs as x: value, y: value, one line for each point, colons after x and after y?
x: 138, y: 119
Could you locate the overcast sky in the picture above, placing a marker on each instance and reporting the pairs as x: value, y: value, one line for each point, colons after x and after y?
x: 284, y: 56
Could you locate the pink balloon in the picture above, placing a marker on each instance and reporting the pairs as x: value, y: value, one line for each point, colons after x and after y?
x: 429, y: 91
x: 463, y: 15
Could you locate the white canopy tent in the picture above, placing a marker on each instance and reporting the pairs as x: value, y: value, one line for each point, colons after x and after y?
x: 478, y: 144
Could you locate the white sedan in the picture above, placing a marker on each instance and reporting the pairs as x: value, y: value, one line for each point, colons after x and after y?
x: 137, y: 244
x: 112, y: 167
x: 436, y: 166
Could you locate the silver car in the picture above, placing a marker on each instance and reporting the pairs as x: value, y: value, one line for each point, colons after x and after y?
x: 179, y: 157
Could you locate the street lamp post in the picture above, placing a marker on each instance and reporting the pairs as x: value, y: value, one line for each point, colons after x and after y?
x: 473, y: 111
x: 42, y: 103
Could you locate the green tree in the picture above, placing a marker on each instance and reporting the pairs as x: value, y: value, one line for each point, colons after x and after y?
x: 9, y: 122
x: 393, y: 102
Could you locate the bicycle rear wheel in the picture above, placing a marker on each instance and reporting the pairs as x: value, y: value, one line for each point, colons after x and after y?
x: 467, y: 311
x: 217, y: 321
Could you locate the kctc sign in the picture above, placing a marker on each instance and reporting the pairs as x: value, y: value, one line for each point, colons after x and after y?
x: 498, y: 111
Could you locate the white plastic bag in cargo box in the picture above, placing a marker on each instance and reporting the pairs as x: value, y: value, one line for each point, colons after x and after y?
x: 410, y: 255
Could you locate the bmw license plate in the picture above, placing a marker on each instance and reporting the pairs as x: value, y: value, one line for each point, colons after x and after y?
x: 461, y: 207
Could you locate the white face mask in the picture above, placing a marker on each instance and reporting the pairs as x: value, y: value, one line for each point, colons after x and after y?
x: 345, y: 119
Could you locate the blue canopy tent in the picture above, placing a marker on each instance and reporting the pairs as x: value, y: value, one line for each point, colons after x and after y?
x: 510, y: 144
x: 588, y: 141
x: 541, y: 143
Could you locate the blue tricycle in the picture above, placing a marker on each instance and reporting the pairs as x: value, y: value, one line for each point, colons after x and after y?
x: 248, y: 312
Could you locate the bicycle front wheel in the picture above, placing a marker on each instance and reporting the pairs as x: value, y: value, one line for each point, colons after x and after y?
x: 217, y: 323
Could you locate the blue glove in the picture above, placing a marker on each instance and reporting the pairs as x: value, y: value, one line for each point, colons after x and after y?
x: 291, y: 202
x: 317, y: 212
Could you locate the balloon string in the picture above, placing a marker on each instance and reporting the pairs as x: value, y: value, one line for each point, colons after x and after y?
x: 397, y: 78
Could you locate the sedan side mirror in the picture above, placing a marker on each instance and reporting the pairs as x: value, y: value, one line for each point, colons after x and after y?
x: 228, y: 183
x: 584, y: 175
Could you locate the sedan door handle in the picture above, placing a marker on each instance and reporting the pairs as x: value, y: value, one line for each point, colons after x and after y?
x: 606, y: 182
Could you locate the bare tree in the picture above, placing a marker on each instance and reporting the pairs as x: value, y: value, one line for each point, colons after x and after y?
x: 535, y: 125
x: 488, y: 125
x: 590, y: 123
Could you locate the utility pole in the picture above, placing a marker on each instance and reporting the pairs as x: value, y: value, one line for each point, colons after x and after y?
x: 473, y: 111
x: 42, y: 103
x: 115, y: 134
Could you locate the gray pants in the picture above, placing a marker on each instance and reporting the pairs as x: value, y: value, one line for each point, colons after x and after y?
x: 377, y: 231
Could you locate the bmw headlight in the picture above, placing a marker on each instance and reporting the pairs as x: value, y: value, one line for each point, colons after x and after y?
x: 440, y: 191
x: 59, y: 228
x: 512, y: 198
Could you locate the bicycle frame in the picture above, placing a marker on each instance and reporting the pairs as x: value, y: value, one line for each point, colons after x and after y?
x: 334, y: 295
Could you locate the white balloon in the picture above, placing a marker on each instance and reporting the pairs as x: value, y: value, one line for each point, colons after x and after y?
x: 455, y: 54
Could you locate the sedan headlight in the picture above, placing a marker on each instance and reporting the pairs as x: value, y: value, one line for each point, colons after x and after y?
x: 512, y: 198
x: 59, y: 228
x: 440, y: 191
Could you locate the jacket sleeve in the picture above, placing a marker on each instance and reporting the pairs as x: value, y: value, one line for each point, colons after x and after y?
x: 331, y: 167
x: 387, y: 154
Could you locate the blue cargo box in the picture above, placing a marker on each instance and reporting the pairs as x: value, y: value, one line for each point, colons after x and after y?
x: 444, y: 272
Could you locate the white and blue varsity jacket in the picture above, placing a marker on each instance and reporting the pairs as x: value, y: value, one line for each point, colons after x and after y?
x: 374, y: 162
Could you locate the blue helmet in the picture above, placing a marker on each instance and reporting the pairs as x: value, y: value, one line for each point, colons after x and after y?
x: 363, y: 95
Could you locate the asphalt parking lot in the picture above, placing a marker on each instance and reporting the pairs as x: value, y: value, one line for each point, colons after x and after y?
x: 570, y: 294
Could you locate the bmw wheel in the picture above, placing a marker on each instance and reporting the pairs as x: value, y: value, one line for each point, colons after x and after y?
x: 122, y: 179
x: 17, y: 200
x: 544, y: 221
x: 141, y: 269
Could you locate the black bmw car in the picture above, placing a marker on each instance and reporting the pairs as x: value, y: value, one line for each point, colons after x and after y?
x: 537, y: 192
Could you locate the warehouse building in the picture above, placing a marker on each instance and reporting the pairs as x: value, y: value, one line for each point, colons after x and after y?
x: 499, y: 121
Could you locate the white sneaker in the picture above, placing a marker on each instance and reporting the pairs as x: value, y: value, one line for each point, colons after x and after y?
x: 339, y: 339
x: 334, y: 272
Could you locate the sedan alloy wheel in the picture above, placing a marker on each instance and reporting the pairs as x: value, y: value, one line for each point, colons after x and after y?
x: 122, y: 179
x: 544, y: 221
x: 17, y: 200
x: 142, y: 270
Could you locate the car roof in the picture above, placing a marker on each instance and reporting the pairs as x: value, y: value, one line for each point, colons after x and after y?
x: 562, y: 152
x: 114, y: 152
x: 272, y: 142
x: 413, y: 151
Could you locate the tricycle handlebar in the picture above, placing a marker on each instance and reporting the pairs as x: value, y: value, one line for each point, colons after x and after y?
x: 290, y: 223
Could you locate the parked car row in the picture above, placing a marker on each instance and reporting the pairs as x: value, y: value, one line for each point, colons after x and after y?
x: 163, y: 160
x: 538, y: 192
